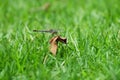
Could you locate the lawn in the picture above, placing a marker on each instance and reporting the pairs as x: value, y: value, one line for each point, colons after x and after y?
x: 92, y: 29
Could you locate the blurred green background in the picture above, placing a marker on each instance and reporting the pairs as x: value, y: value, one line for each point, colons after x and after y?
x: 92, y: 28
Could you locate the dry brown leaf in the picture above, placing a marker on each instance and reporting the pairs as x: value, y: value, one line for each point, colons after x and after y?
x: 54, y: 43
x: 63, y: 40
x: 44, y: 7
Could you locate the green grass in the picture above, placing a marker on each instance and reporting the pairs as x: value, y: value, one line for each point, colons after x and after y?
x: 90, y: 26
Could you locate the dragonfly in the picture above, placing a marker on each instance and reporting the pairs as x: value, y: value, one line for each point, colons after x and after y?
x: 52, y: 31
